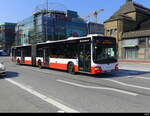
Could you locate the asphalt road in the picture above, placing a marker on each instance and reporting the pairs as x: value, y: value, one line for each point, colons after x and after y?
x: 29, y: 89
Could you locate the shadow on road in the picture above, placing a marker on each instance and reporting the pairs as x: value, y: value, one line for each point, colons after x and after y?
x: 119, y: 74
x: 122, y: 73
x: 9, y: 74
x: 126, y: 73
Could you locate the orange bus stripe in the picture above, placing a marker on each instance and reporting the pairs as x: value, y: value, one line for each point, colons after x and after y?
x: 54, y: 65
x: 93, y: 71
x: 28, y: 62
x: 58, y: 66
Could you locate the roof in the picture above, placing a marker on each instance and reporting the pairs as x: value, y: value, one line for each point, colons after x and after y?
x: 145, y: 25
x: 7, y: 23
x: 127, y: 8
x: 134, y: 34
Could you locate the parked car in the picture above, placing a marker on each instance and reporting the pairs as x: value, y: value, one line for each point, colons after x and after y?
x: 2, y: 69
x: 3, y: 53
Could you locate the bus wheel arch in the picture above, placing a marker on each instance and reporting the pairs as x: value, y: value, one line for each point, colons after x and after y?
x: 18, y: 61
x: 71, y: 68
x: 40, y: 64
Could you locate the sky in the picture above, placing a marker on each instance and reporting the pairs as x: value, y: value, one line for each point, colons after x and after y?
x: 17, y: 10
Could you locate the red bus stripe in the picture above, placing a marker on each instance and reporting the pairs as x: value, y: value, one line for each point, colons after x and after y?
x: 28, y: 62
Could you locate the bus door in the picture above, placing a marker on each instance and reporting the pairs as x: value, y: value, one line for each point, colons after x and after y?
x: 46, y: 57
x: 85, y: 57
x: 22, y: 56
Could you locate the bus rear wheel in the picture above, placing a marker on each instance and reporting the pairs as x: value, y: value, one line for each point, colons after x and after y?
x: 18, y: 62
x: 40, y: 64
x: 71, y: 68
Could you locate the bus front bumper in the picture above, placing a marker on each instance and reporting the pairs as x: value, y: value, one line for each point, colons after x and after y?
x: 99, y: 69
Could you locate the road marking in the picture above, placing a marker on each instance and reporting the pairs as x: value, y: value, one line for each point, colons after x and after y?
x: 36, y: 69
x: 60, y: 112
x: 44, y: 98
x: 101, y: 88
x: 129, y: 85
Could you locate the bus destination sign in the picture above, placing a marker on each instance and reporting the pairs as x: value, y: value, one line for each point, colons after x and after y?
x: 104, y: 42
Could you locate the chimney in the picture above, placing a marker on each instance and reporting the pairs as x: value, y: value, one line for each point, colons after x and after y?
x: 128, y: 1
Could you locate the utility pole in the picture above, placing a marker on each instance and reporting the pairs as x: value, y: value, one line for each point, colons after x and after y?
x: 47, y: 5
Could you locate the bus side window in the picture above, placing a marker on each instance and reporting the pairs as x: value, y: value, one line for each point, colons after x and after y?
x: 71, y: 51
x: 27, y: 52
x: 52, y: 52
x: 40, y: 52
x: 18, y: 52
x: 56, y: 51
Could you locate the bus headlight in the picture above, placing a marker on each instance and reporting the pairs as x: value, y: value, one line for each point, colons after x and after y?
x: 98, y: 69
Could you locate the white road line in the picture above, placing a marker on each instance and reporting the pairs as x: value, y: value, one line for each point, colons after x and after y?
x: 101, y: 88
x: 128, y: 85
x: 36, y: 69
x: 60, y: 112
x: 44, y: 98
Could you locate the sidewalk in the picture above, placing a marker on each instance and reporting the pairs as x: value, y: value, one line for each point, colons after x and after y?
x: 134, y: 61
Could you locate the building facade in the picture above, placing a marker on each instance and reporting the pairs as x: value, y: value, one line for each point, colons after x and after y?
x: 130, y: 25
x: 49, y: 26
x: 24, y: 31
x: 95, y: 28
x: 7, y: 36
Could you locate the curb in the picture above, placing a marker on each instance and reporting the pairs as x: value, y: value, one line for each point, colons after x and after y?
x: 135, y: 61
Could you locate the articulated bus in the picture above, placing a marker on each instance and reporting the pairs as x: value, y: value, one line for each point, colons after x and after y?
x: 92, y: 54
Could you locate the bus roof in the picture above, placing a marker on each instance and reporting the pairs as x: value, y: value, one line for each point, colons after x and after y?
x: 22, y: 46
x: 74, y: 38
x: 66, y: 40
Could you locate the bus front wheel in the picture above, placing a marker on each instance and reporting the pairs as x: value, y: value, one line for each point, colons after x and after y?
x: 71, y: 69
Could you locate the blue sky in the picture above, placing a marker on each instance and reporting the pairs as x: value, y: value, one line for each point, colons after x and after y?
x: 17, y: 10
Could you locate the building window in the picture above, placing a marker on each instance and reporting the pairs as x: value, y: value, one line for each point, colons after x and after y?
x: 142, y: 41
x: 149, y: 41
x: 131, y: 53
x: 112, y: 32
x: 107, y: 32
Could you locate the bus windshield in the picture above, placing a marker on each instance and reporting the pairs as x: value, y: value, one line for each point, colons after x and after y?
x: 105, y: 53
